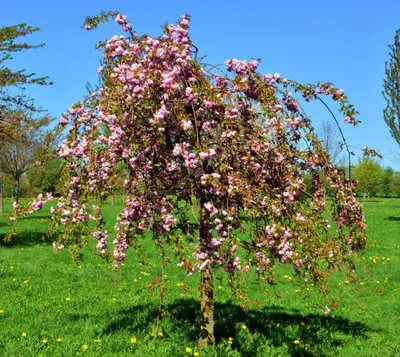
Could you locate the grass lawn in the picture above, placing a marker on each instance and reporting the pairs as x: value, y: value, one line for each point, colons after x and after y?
x: 50, y: 306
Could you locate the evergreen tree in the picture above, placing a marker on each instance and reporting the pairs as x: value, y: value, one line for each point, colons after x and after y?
x: 391, y: 90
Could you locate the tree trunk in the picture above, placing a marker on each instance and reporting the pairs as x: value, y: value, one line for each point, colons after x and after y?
x: 1, y: 196
x: 16, y: 190
x: 207, y: 308
x: 113, y: 199
x: 207, y: 336
x: 364, y: 196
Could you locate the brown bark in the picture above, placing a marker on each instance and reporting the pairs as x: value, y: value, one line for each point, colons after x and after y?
x: 1, y: 196
x: 207, y: 336
x: 16, y: 190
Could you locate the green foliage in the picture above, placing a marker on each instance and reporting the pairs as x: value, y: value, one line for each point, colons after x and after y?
x: 22, y: 134
x: 391, y: 91
x: 396, y: 183
x: 93, y: 22
x: 8, y: 45
x: 105, y: 311
x: 367, y: 173
x: 385, y: 181
x: 45, y: 177
x: 24, y: 187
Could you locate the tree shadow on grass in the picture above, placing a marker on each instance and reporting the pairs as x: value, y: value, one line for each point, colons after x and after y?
x: 41, y: 216
x: 273, y: 326
x: 24, y: 239
x: 392, y: 218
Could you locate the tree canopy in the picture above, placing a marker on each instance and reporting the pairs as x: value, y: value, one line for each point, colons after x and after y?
x: 9, y: 45
x: 368, y: 173
x: 22, y: 134
x: 391, y: 90
x: 202, y: 166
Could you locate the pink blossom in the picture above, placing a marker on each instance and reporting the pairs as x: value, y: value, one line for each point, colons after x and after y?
x: 187, y: 125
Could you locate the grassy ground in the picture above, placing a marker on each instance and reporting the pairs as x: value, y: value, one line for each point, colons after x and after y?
x: 50, y: 306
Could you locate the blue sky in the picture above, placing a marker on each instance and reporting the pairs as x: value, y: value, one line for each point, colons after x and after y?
x: 345, y: 42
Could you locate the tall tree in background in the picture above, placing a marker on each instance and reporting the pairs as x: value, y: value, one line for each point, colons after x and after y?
x: 367, y: 173
x: 386, y: 181
x: 21, y: 135
x: 391, y: 90
x: 396, y: 183
x: 8, y: 46
x: 1, y: 194
x: 330, y: 136
x: 10, y: 78
x: 46, y: 176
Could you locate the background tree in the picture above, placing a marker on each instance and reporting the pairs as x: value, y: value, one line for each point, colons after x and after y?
x: 330, y: 136
x: 396, y: 183
x: 367, y: 173
x: 46, y: 176
x: 203, y: 167
x: 386, y: 181
x: 391, y: 90
x: 1, y: 194
x: 22, y: 136
x: 8, y: 45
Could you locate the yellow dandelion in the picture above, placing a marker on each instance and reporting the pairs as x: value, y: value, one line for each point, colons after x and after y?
x: 59, y: 340
x: 133, y: 340
x: 85, y: 347
x: 347, y: 282
x: 97, y: 341
x: 26, y: 281
x: 196, y: 354
x: 188, y: 350
x: 12, y: 268
x: 1, y: 312
x: 23, y: 334
x: 45, y: 341
x: 180, y: 284
x: 219, y: 287
x: 296, y: 342
x: 230, y: 342
x: 160, y: 334
x: 230, y: 339
x: 68, y: 299
x: 302, y: 323
x: 244, y: 327
x: 14, y: 279
x: 361, y: 283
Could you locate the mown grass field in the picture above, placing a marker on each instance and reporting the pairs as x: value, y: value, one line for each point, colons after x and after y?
x: 50, y: 306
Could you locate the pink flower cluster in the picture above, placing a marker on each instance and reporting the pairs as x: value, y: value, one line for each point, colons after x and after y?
x: 241, y: 67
